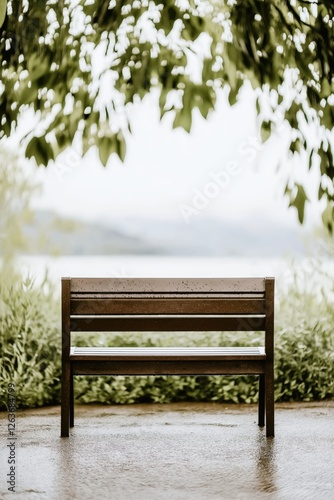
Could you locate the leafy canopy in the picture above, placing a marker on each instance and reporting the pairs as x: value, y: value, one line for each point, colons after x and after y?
x: 80, y: 63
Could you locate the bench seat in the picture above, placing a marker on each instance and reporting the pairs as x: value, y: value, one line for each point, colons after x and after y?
x: 171, y: 353
x: 167, y: 360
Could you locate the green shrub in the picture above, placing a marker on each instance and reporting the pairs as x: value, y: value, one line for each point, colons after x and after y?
x: 30, y: 352
x: 29, y: 341
x: 304, y: 347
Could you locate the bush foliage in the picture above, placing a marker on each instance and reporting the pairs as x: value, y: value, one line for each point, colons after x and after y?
x: 29, y: 341
x: 30, y: 352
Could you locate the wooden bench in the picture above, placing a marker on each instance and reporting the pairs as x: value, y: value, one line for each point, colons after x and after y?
x: 161, y: 305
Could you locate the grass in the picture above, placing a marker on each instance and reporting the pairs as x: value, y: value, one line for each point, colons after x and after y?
x: 30, y: 351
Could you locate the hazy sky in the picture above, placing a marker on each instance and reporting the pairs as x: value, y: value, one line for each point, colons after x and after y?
x: 219, y: 169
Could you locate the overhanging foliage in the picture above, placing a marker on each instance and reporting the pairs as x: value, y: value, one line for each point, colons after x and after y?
x: 80, y: 63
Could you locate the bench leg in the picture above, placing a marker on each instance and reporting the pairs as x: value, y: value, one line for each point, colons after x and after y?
x: 65, y: 400
x: 71, y: 400
x: 269, y: 398
x: 261, y: 400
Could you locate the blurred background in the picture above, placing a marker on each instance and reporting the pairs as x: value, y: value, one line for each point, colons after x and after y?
x: 206, y: 203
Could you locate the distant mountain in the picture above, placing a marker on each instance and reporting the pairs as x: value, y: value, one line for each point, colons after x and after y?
x: 217, y: 237
x: 50, y: 233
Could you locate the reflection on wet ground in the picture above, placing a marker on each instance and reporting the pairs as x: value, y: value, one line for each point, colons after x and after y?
x: 266, y: 465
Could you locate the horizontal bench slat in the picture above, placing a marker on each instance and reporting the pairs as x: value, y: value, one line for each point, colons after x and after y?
x: 168, y: 296
x: 166, y: 324
x: 158, y: 285
x: 164, y: 353
x: 152, y: 366
x: 167, y: 306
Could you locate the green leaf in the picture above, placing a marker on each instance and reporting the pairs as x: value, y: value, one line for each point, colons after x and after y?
x: 121, y: 146
x: 229, y: 65
x: 201, y: 97
x: 288, y: 190
x: 328, y: 117
x: 323, y: 160
x: 112, y: 144
x: 3, y: 11
x: 37, y: 66
x: 105, y: 149
x: 204, y: 107
x: 299, y: 202
x: 328, y: 217
x: 89, y: 9
x: 39, y: 149
x: 162, y: 101
x: 291, y: 115
x: 28, y: 94
x: 62, y: 140
x: 75, y: 118
x: 207, y: 69
x: 313, y: 97
x: 295, y: 146
x: 232, y: 96
x: 265, y: 130
x: 183, y: 119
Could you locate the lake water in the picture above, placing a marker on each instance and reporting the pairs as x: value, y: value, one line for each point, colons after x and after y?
x: 157, y: 266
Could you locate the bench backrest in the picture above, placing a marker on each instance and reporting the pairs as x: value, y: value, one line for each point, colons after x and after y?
x: 167, y: 304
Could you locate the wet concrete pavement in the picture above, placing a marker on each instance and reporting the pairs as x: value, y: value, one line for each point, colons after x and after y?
x: 177, y: 451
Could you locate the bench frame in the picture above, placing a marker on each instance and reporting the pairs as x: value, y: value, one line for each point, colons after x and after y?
x: 168, y: 304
